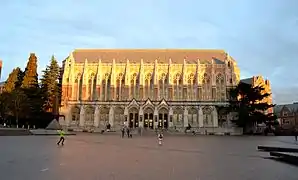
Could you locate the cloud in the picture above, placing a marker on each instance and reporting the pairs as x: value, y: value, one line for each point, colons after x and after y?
x: 260, y: 35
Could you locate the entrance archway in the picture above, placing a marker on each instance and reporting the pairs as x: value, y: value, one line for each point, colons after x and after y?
x: 133, y: 117
x: 89, y: 116
x: 148, y: 118
x: 118, y: 116
x: 163, y: 118
x: 75, y: 115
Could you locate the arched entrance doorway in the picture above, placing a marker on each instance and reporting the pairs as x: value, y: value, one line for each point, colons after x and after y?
x: 118, y: 116
x: 89, y: 116
x: 163, y: 118
x: 148, y: 118
x: 133, y: 117
x: 75, y: 115
x: 104, y: 116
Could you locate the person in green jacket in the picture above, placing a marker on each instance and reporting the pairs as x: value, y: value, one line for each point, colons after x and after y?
x: 62, y: 139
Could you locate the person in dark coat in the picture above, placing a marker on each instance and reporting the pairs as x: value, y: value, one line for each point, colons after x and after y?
x: 122, y: 132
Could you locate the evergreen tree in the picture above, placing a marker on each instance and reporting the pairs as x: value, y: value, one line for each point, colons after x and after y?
x: 4, y: 105
x: 18, y: 104
x: 14, y: 80
x: 50, y: 85
x: 31, y: 88
x: 246, y: 101
x: 30, y: 79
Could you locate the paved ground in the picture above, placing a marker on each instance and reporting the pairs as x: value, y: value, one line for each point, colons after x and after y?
x: 106, y: 157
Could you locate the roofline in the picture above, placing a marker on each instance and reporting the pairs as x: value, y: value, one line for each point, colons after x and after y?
x: 147, y: 49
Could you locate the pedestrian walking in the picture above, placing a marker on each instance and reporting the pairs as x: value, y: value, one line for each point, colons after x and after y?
x: 62, y: 139
x: 128, y: 132
x: 160, y: 139
x: 122, y: 132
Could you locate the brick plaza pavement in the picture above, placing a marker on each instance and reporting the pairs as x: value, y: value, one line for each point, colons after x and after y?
x: 108, y: 157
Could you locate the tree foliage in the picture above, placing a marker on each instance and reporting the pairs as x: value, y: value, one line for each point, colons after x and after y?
x: 246, y: 101
x: 50, y: 85
x: 22, y: 100
x: 14, y: 80
x: 30, y: 79
x: 18, y: 104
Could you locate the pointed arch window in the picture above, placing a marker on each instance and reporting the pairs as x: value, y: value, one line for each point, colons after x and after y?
x: 220, y: 88
x: 206, y: 87
x: 148, y: 86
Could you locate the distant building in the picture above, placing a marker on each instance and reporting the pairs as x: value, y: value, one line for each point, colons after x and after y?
x: 265, y: 83
x: 165, y: 88
x: 287, y: 115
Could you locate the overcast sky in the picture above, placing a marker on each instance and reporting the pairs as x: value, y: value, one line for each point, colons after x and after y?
x: 262, y: 35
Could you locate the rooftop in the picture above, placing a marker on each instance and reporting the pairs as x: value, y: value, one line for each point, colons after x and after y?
x: 191, y: 56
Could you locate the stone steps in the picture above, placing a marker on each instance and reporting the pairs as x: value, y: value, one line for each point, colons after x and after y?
x: 14, y: 132
x: 44, y: 132
x: 277, y: 149
x: 291, y: 158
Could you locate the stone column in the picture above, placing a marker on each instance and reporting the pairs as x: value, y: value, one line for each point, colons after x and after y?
x: 68, y: 116
x: 185, y: 117
x: 72, y: 90
x: 96, y: 117
x: 155, y: 117
x: 215, y: 117
x: 201, y: 117
x: 82, y: 116
x: 170, y: 117
x: 141, y: 116
x: 111, y: 116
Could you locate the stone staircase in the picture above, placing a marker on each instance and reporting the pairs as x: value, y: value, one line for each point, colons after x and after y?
x: 14, y: 132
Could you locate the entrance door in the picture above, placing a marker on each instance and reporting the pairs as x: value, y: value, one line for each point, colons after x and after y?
x: 136, y: 120
x: 151, y: 124
x: 163, y: 120
x: 148, y: 120
x: 130, y: 124
x: 160, y: 121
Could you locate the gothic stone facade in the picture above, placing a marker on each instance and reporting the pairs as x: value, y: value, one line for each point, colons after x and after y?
x: 265, y: 83
x: 148, y: 88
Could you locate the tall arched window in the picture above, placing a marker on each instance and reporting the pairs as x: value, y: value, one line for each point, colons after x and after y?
x: 89, y: 93
x: 104, y: 84
x: 162, y: 86
x: 147, y: 86
x: 206, y: 87
x: 220, y: 88
x: 177, y: 89
x: 123, y: 93
x: 180, y: 87
x: 80, y: 86
x: 119, y: 87
x: 132, y: 88
x: 137, y: 88
x: 105, y: 87
x: 190, y: 87
x: 108, y: 87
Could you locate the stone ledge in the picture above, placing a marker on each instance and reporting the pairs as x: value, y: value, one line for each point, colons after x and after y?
x: 44, y: 132
x: 14, y: 132
x: 277, y: 149
x: 286, y: 157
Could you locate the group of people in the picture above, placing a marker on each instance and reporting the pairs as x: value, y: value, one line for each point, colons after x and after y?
x: 127, y: 130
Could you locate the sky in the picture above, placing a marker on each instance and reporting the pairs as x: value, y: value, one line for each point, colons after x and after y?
x: 261, y: 35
